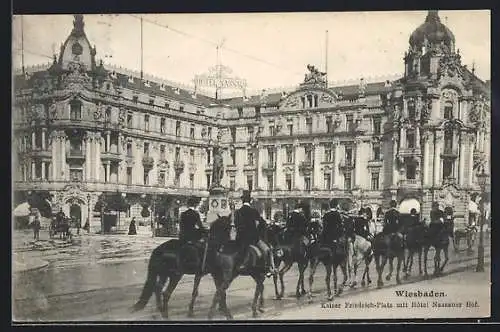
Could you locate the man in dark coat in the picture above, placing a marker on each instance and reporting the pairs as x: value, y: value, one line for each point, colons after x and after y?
x: 392, y: 220
x: 248, y: 223
x: 60, y: 217
x: 332, y: 224
x: 448, y: 219
x: 297, y: 223
x: 190, y: 226
x: 361, y: 226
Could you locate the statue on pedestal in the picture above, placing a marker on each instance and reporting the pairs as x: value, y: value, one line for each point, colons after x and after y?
x: 218, y: 169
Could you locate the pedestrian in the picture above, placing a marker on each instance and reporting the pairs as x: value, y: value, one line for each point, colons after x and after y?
x: 87, y: 226
x: 36, y: 227
x: 153, y: 227
x: 132, y: 229
x: 78, y: 226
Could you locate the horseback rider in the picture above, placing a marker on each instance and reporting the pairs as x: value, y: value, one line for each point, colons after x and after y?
x: 60, y: 217
x: 392, y: 220
x: 437, y: 219
x: 332, y: 224
x: 190, y: 227
x: 448, y: 219
x: 249, y: 223
x: 361, y: 226
x: 297, y: 223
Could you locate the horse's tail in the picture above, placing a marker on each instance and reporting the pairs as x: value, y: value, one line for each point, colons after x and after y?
x: 149, y: 286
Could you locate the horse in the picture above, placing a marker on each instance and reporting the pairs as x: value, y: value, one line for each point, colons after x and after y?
x: 225, y: 270
x: 414, y: 242
x: 331, y: 256
x: 288, y: 254
x: 387, y: 247
x: 165, y: 264
x: 437, y: 236
x: 359, y: 250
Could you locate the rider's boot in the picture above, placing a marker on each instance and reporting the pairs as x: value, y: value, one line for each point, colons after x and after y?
x: 271, y: 266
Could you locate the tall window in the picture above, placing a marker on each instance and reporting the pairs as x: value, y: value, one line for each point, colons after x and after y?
x: 129, y: 120
x: 75, y: 110
x: 162, y: 125
x: 250, y: 157
x: 348, y: 155
x: 272, y: 130
x: 288, y: 182
x: 328, y: 154
x: 146, y: 122
x: 250, y: 182
x: 129, y: 175
x: 309, y: 125
x: 309, y: 101
x: 177, y: 154
x: 307, y: 183
x: 240, y: 112
x: 349, y: 122
x: 303, y: 101
x: 448, y: 111
x: 447, y: 168
x: 328, y: 181
x: 410, y: 138
x: 233, y: 156
x: 290, y: 129
x: 146, y: 177
x: 232, y: 182
x: 108, y: 114
x: 347, y: 181
x: 191, y: 155
x: 329, y: 124
x: 162, y: 152
x: 191, y: 132
x: 250, y: 133
x: 376, y: 152
x: 289, y: 154
x: 209, y: 156
x: 377, y: 126
x: 315, y: 100
x: 191, y: 181
x: 257, y: 111
x: 209, y: 132
x: 161, y: 179
x: 375, y: 181
x: 308, y: 154
x: 177, y: 128
x: 233, y: 134
x: 270, y: 156
x: 270, y: 182
x: 208, y: 181
x: 146, y: 148
x: 411, y: 109
x: 411, y: 171
x: 448, y: 142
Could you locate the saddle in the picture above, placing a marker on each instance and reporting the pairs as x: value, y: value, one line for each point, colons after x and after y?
x: 191, y: 255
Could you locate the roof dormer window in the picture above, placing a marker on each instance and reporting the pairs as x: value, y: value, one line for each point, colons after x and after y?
x: 130, y: 79
x: 162, y: 87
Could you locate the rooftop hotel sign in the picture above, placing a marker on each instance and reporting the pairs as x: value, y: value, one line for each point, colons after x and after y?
x: 219, y: 77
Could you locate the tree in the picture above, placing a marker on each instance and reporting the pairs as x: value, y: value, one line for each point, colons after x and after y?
x: 145, y: 211
x: 40, y: 200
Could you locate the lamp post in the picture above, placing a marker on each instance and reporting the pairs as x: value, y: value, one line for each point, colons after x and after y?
x: 482, y: 180
x: 88, y: 212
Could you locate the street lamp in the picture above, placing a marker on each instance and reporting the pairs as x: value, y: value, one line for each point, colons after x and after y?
x: 482, y: 180
x: 88, y: 212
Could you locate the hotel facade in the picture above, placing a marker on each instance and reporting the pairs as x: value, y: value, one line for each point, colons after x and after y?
x: 81, y: 128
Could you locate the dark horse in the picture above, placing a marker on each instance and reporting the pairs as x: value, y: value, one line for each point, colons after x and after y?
x: 332, y: 256
x: 167, y: 263
x: 415, y: 240
x: 288, y: 253
x: 438, y: 236
x: 387, y: 247
x: 225, y: 268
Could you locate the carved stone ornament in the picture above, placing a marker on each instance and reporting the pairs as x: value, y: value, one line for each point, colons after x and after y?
x: 292, y: 101
x: 53, y: 110
x: 450, y: 66
x: 122, y: 116
x: 327, y: 98
x: 314, y: 76
x: 99, y: 112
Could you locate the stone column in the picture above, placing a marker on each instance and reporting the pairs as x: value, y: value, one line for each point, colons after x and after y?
x: 33, y: 170
x: 63, y: 156
x: 336, y: 171
x: 54, y: 143
x: 437, y: 157
x: 87, y: 138
x: 261, y: 160
x: 417, y: 137
x: 395, y: 167
x: 425, y: 164
x: 402, y: 137
x: 296, y: 159
x: 358, y: 170
x: 317, y: 163
x: 470, y: 142
x: 33, y: 140
x: 108, y: 141
x: 108, y: 172
x: 279, y: 167
x: 120, y: 142
x: 43, y: 171
x: 97, y: 155
x: 44, y: 130
x: 461, y: 160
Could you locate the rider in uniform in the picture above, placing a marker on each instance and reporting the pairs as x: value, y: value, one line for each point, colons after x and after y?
x: 297, y: 223
x: 248, y: 223
x: 361, y: 226
x: 332, y: 224
x: 437, y: 219
x: 190, y: 227
x: 392, y: 220
x: 448, y: 218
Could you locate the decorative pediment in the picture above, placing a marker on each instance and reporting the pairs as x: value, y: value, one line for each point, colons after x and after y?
x: 319, y: 97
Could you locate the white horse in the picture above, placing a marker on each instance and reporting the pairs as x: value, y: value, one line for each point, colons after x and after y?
x: 359, y: 251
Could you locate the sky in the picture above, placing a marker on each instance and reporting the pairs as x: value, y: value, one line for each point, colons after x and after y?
x: 269, y: 50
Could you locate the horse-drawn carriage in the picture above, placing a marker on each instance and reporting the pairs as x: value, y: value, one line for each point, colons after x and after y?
x: 61, y: 227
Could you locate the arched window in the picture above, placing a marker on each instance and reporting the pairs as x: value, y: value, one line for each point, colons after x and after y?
x: 411, y: 109
x: 448, y: 110
x: 448, y: 142
x: 75, y: 110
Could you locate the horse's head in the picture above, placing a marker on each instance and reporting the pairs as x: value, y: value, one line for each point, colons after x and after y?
x: 220, y: 229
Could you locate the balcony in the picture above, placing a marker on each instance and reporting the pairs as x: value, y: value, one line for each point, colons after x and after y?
x: 450, y: 153
x: 409, y: 183
x: 346, y: 165
x: 409, y: 152
x: 39, y: 152
x: 306, y: 166
x: 269, y: 167
x: 179, y: 166
x: 148, y: 161
x: 111, y: 155
x: 75, y: 154
x: 375, y: 163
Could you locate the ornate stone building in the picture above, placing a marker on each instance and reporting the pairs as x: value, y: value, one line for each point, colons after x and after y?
x: 82, y: 129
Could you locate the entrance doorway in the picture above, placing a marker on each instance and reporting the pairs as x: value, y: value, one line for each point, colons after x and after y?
x: 75, y: 213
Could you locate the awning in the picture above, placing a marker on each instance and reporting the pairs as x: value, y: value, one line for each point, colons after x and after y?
x: 22, y: 210
x: 408, y: 204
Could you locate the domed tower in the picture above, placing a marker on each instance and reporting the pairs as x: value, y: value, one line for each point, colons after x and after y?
x: 432, y: 136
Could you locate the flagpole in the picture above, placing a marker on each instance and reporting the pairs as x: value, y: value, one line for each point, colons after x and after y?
x: 326, y: 58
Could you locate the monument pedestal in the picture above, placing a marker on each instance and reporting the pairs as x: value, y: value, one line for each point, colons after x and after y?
x: 218, y: 204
